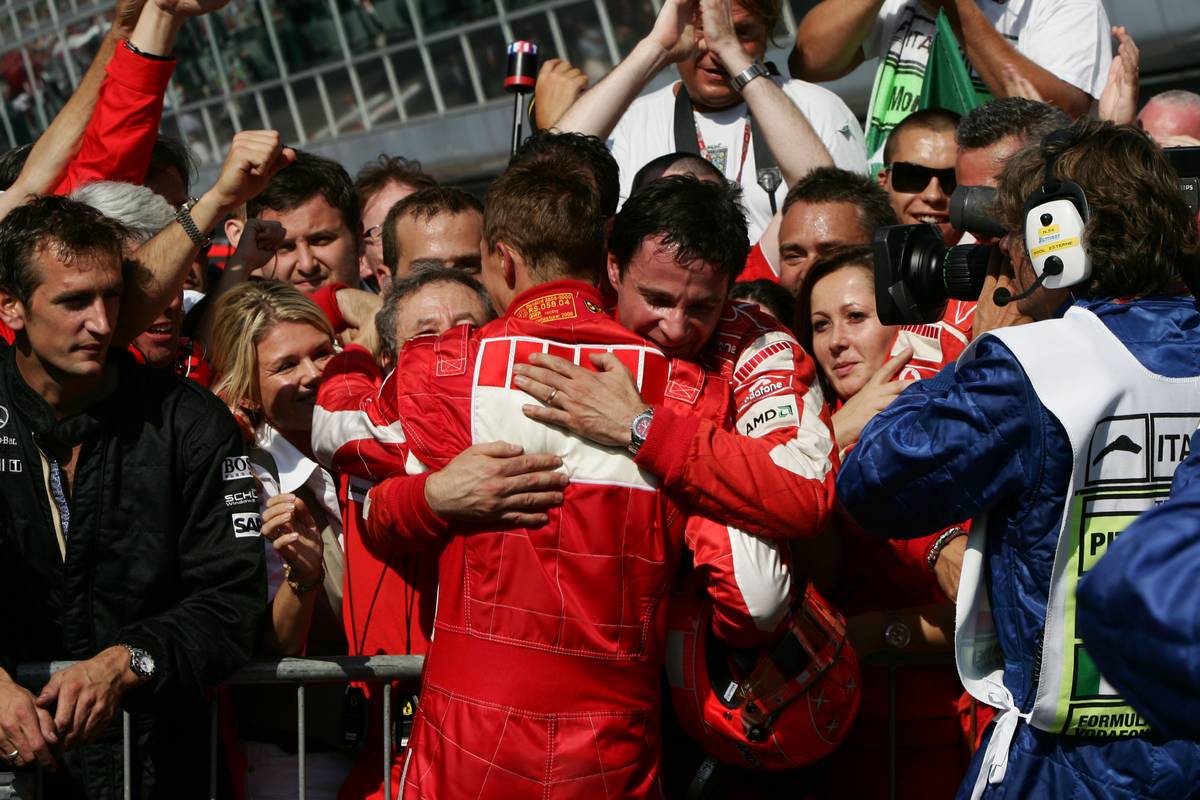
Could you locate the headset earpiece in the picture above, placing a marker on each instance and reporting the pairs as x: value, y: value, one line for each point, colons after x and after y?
x: 1055, y: 217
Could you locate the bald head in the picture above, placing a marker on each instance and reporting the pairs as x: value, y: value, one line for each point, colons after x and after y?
x: 1170, y: 114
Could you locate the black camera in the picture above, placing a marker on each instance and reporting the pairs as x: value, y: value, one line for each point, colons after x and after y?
x: 916, y: 273
x: 1186, y: 162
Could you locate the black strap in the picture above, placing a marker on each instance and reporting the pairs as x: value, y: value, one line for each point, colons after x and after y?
x: 686, y: 138
x: 695, y: 790
x: 685, y: 123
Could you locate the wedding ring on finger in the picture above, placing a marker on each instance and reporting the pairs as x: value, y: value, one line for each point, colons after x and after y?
x: 550, y: 398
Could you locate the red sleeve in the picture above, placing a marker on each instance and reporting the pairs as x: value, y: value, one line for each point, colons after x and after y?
x: 915, y: 552
x: 399, y: 519
x: 748, y: 579
x: 356, y: 428
x: 7, y: 333
x: 120, y: 136
x: 757, y: 267
x: 774, y: 474
x: 326, y: 300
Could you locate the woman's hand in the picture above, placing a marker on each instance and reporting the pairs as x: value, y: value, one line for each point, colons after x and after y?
x: 875, y: 395
x: 289, y: 526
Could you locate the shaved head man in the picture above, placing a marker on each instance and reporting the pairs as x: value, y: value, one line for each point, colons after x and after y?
x: 1172, y: 118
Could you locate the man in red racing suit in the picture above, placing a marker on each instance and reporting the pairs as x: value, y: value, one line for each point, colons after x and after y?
x: 548, y: 641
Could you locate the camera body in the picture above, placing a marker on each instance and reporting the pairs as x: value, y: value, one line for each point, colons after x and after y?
x: 916, y: 273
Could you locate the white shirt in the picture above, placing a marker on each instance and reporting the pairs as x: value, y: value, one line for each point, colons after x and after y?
x: 647, y: 131
x: 295, y: 470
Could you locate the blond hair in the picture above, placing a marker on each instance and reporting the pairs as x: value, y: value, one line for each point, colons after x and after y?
x: 243, y: 318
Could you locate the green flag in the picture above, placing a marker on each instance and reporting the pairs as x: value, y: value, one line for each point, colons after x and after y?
x: 947, y: 78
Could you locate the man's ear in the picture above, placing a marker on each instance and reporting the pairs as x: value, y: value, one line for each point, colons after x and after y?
x: 12, y: 310
x: 383, y: 277
x: 509, y: 259
x: 882, y: 177
x: 233, y: 231
x: 614, y: 271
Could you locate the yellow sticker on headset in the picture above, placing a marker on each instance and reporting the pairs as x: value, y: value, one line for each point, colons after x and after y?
x: 1065, y: 244
x: 1049, y: 230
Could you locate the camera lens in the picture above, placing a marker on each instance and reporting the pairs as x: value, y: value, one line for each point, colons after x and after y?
x: 1046, y: 219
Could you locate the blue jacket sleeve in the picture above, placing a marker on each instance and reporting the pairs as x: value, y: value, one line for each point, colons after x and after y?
x: 947, y: 448
x: 1139, y: 610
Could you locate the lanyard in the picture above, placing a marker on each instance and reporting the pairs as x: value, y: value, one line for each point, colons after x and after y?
x: 745, y: 146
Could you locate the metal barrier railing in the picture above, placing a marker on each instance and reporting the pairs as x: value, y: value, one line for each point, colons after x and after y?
x: 385, y: 670
x: 298, y: 671
x: 894, y: 661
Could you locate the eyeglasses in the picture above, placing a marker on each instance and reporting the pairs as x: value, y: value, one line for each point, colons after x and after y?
x: 907, y: 177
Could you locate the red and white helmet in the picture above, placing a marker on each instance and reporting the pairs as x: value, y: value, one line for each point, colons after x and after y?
x: 781, y: 706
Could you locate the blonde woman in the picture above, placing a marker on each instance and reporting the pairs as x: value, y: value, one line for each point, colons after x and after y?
x: 270, y: 346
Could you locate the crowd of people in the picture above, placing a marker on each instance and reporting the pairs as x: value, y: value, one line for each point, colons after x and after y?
x: 631, y: 449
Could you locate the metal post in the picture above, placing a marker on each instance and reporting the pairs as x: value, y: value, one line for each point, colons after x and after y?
x: 426, y: 60
x: 300, y: 736
x: 610, y: 39
x: 281, y: 65
x: 387, y: 740
x: 126, y: 753
x: 355, y: 86
x: 222, y: 73
x: 212, y: 745
x: 891, y: 732
x: 472, y: 69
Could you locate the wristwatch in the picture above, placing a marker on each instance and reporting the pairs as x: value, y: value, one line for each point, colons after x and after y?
x: 639, y: 429
x: 757, y: 69
x: 184, y: 217
x: 302, y: 588
x: 140, y: 662
x: 897, y: 635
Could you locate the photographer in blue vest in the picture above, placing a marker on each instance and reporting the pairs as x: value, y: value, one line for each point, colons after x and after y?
x: 1054, y: 436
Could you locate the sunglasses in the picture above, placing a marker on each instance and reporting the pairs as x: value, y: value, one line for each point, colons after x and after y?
x: 907, y: 177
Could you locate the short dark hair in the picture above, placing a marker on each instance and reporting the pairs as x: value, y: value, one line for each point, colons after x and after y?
x: 173, y: 154
x: 1140, y: 234
x: 415, y: 281
x: 424, y: 204
x: 11, y: 164
x: 591, y: 151
x: 834, y: 185
x: 67, y: 227
x: 937, y: 120
x: 1028, y: 120
x: 307, y: 177
x: 854, y: 255
x: 702, y: 220
x: 377, y: 174
x: 548, y: 210
x: 768, y: 294
x: 654, y: 169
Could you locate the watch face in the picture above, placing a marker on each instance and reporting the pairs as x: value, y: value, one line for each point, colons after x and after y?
x: 897, y: 635
x: 143, y: 664
x: 641, y: 425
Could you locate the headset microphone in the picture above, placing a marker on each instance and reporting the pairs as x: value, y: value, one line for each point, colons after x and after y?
x: 1002, y: 296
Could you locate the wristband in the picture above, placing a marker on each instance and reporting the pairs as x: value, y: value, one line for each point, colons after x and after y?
x: 133, y: 48
x: 939, y: 544
x: 303, y: 588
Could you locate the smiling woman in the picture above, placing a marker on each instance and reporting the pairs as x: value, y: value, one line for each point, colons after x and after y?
x: 270, y: 348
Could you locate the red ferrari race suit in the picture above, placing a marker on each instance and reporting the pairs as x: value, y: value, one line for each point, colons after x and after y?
x: 774, y: 480
x: 533, y: 668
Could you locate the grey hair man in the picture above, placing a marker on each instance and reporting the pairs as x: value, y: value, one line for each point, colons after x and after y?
x: 431, y: 299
